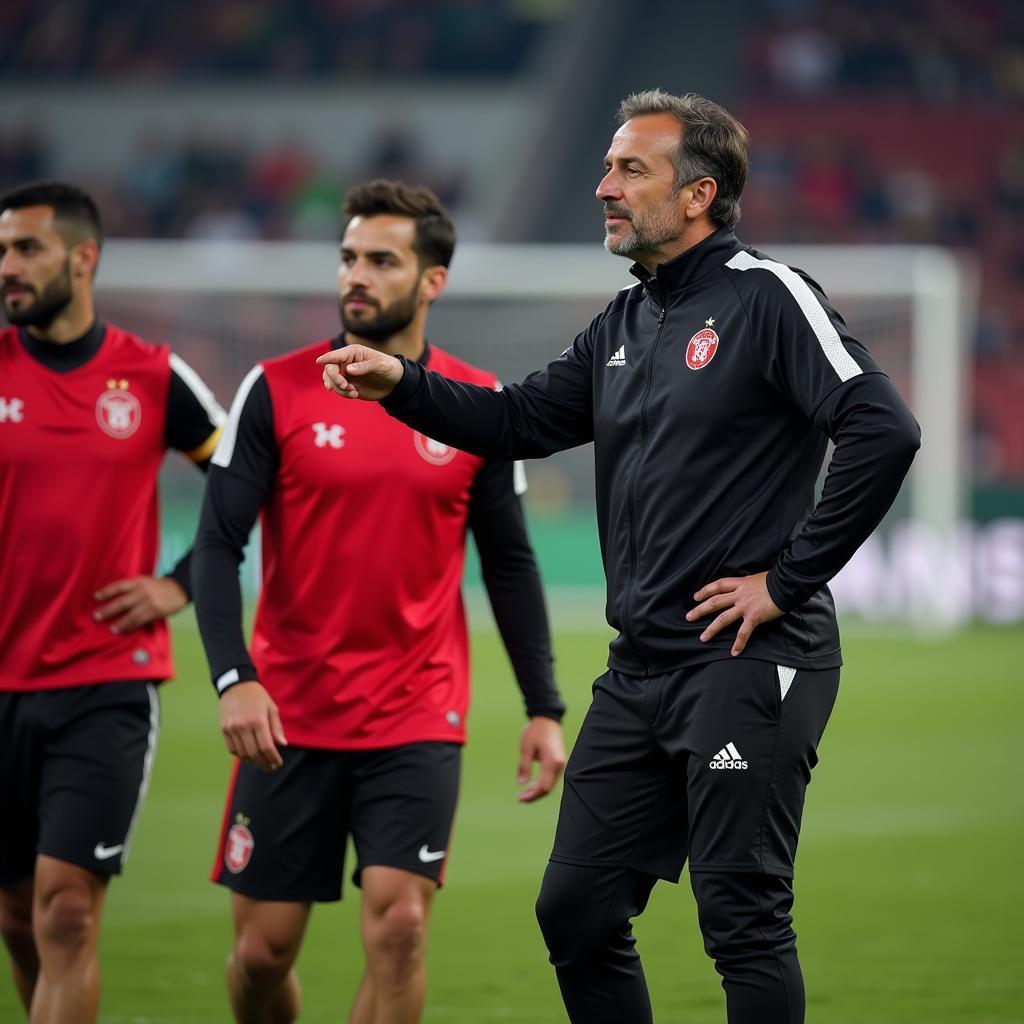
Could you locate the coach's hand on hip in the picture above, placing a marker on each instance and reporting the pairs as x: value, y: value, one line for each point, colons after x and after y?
x: 356, y: 371
x: 743, y: 597
x: 251, y: 725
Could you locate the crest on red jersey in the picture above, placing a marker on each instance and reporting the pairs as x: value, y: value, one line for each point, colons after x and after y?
x: 701, y: 349
x: 433, y: 451
x: 118, y: 411
x: 238, y: 848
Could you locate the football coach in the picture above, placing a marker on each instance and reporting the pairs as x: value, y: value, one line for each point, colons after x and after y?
x: 710, y: 390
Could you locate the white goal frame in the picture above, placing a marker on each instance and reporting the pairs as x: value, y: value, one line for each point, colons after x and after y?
x: 941, y: 288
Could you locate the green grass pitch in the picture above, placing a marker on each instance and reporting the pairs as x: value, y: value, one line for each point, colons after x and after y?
x: 909, y: 881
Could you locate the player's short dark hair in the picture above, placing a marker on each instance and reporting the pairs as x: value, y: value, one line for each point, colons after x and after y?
x: 434, y: 240
x: 74, y: 211
x: 714, y: 145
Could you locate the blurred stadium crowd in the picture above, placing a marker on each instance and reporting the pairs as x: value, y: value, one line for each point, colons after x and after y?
x: 324, y: 39
x: 871, y: 121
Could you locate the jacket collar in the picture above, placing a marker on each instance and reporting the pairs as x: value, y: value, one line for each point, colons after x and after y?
x: 689, y: 266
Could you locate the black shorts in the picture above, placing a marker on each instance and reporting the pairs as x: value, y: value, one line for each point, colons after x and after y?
x: 285, y: 831
x: 74, y: 765
x: 708, y: 763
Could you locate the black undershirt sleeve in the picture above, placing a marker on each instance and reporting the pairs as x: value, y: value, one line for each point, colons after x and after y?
x: 235, y: 493
x: 190, y: 424
x: 513, y: 587
x: 876, y: 438
x: 191, y: 427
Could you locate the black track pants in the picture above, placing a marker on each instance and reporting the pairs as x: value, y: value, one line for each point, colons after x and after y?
x: 585, y: 914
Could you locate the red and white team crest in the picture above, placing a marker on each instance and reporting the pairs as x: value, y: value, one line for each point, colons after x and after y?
x: 433, y: 451
x: 702, y: 348
x: 238, y: 848
x: 118, y: 411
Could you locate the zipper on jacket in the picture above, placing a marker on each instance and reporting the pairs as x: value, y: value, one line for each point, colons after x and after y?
x: 648, y: 386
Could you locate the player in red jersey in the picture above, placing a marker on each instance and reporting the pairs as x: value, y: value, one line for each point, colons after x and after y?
x: 86, y: 413
x: 349, y: 715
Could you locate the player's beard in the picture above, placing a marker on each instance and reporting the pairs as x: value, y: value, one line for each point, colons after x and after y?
x: 646, y: 232
x: 389, y: 319
x: 49, y: 304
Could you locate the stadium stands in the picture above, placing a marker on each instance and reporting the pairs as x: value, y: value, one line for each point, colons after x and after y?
x: 872, y: 121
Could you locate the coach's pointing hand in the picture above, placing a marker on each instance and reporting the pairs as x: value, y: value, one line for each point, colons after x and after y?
x: 251, y: 725
x: 356, y: 371
x: 743, y: 597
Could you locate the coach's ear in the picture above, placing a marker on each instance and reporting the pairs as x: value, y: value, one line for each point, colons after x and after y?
x: 433, y: 282
x: 698, y: 196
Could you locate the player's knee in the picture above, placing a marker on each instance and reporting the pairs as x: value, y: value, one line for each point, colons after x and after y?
x: 743, y: 915
x: 67, y: 917
x: 262, y: 962
x: 400, y: 931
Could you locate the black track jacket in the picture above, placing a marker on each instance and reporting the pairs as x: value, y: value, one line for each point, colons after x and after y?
x: 710, y: 390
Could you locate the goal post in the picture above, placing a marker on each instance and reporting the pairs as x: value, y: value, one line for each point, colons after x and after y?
x: 512, y: 308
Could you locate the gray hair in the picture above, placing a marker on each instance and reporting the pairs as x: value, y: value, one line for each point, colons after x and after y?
x: 714, y: 145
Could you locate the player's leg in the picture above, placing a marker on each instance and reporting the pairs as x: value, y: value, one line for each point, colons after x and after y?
x: 66, y: 913
x: 98, y: 752
x: 282, y: 848
x: 621, y: 826
x: 749, y: 747
x: 403, y: 806
x: 396, y: 909
x: 16, y: 928
x: 20, y: 759
x: 263, y: 987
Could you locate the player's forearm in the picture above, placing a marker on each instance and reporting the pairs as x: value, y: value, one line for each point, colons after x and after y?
x: 522, y: 623
x: 517, y: 600
x: 182, y: 573
x: 513, y: 586
x: 876, y: 439
x: 217, y: 595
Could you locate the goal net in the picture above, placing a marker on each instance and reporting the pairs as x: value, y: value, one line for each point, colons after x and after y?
x: 512, y: 308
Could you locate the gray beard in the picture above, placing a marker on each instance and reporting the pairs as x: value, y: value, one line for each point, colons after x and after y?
x: 647, y: 234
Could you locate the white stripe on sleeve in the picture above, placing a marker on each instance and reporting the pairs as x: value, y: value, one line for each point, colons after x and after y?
x: 828, y: 337
x: 195, y: 384
x: 226, y: 445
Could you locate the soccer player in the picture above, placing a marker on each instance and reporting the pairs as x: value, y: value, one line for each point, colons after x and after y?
x: 349, y: 715
x: 86, y: 412
x: 710, y: 390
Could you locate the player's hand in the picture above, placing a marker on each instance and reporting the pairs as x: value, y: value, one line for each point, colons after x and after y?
x: 133, y: 603
x: 542, y: 743
x: 743, y: 598
x: 251, y: 725
x: 356, y: 371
